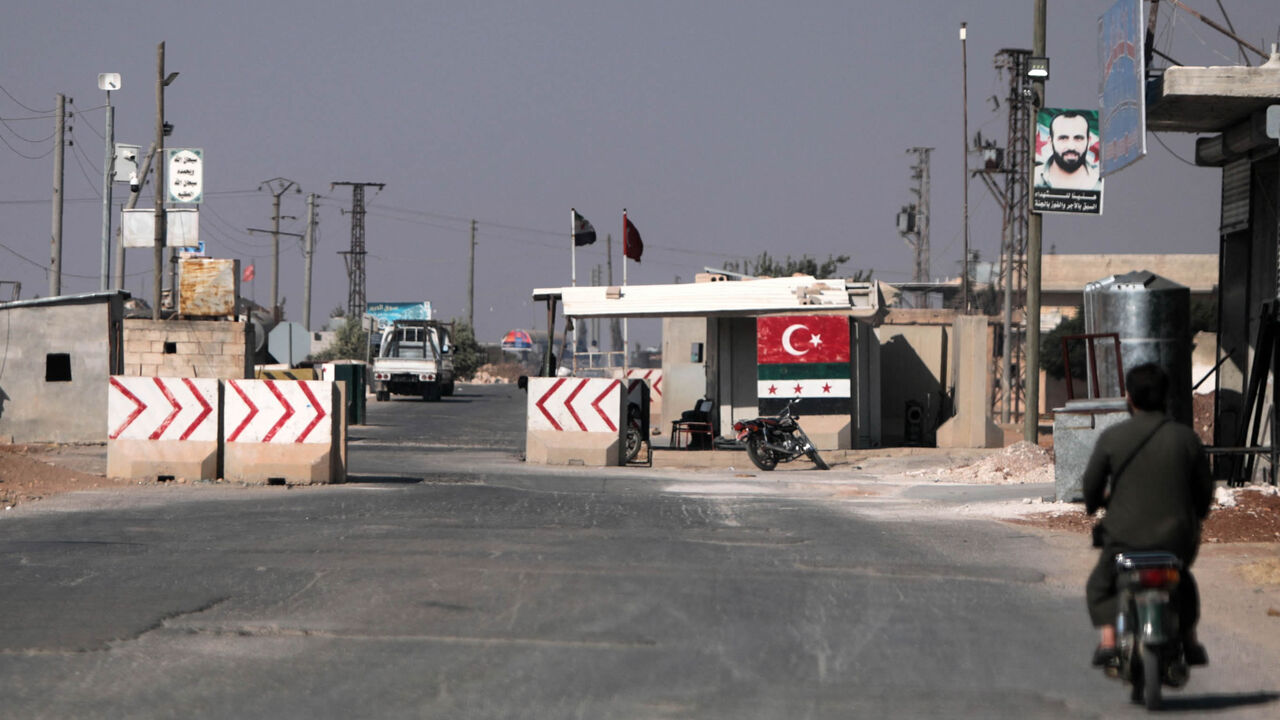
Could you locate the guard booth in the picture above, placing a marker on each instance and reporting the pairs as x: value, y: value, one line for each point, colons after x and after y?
x: 710, y: 341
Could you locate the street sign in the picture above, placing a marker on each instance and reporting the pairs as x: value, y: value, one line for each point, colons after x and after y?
x: 186, y: 174
x: 1121, y: 86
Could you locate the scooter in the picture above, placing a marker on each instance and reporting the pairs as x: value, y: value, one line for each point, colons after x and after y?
x: 1148, y: 641
x: 773, y: 439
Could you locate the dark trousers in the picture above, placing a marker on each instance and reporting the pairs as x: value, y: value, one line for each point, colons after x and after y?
x: 1101, y: 594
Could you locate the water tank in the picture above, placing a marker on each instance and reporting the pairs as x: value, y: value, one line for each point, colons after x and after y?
x: 1152, y: 316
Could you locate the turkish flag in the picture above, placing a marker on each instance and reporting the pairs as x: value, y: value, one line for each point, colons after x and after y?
x: 802, y: 339
x: 632, y: 246
x: 248, y: 273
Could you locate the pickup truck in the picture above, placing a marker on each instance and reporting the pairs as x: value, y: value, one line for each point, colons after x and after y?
x: 411, y: 361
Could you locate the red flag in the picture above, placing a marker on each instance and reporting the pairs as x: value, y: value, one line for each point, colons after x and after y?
x: 248, y: 273
x: 802, y: 339
x: 632, y: 246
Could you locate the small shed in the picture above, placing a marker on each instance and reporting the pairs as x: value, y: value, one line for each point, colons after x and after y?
x: 57, y: 355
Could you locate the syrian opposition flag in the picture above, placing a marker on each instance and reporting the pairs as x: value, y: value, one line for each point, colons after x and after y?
x: 583, y: 232
x: 632, y: 246
x: 805, y: 357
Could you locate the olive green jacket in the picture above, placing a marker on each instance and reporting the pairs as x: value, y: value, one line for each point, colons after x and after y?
x: 1164, y: 492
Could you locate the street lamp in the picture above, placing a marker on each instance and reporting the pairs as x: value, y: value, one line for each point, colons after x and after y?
x: 1038, y: 68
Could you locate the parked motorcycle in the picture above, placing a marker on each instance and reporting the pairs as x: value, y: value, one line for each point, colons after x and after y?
x: 773, y: 439
x: 1148, y: 639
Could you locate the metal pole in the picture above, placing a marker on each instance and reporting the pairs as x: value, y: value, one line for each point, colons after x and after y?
x: 1031, y: 419
x: 160, y: 234
x: 310, y: 250
x: 55, y: 249
x: 471, y: 280
x: 131, y: 203
x: 108, y: 176
x: 964, y: 92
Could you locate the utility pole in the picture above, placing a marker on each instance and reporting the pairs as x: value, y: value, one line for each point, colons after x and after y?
x: 161, y: 234
x: 914, y: 220
x: 310, y: 251
x: 108, y: 177
x: 964, y: 64
x: 277, y: 187
x: 471, y: 280
x: 1031, y: 371
x: 55, y: 249
x: 355, y: 256
x: 131, y: 204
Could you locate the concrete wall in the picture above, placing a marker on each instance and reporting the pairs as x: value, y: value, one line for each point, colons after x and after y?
x: 187, y: 348
x: 684, y: 381
x: 913, y: 368
x: 38, y: 401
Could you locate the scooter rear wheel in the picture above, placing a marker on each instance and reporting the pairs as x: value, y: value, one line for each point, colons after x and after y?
x: 1151, y: 678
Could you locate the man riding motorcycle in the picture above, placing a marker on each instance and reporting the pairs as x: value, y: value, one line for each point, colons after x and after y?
x: 1158, y: 495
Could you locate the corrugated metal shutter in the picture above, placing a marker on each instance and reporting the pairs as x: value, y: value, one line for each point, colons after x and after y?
x: 1235, y: 196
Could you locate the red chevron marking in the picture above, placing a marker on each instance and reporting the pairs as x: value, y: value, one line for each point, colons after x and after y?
x: 320, y: 413
x: 600, y: 410
x: 253, y: 411
x: 139, y: 407
x: 173, y: 414
x: 288, y: 411
x: 207, y: 408
x: 541, y: 404
x: 568, y: 403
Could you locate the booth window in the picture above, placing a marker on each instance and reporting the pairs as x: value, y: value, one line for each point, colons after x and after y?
x: 57, y: 367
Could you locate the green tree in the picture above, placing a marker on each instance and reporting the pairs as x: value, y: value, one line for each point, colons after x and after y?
x: 766, y: 264
x: 1051, y: 348
x: 468, y: 356
x: 350, y: 343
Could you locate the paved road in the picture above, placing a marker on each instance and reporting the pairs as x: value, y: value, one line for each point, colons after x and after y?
x: 495, y: 590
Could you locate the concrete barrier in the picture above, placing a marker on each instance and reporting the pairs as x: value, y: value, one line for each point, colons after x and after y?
x: 162, y: 428
x: 575, y: 421
x: 652, y: 376
x: 289, y: 431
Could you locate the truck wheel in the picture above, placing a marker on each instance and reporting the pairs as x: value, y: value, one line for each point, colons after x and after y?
x: 431, y: 393
x: 382, y: 396
x: 448, y: 389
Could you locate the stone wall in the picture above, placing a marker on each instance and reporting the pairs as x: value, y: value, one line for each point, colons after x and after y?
x: 187, y: 348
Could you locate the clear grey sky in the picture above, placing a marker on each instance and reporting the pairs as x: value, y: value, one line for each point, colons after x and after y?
x: 726, y: 128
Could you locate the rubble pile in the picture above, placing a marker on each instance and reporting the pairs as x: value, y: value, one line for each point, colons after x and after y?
x: 1021, y: 462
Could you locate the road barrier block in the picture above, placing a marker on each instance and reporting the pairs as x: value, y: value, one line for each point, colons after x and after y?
x: 576, y: 421
x: 652, y: 376
x: 291, y: 431
x: 162, y: 428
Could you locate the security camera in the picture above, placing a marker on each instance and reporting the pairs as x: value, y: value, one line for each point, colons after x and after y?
x: 134, y: 185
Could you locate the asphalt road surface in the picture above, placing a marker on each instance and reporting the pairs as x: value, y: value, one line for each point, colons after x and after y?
x: 449, y: 580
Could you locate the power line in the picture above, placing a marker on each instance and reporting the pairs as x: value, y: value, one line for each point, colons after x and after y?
x: 24, y: 106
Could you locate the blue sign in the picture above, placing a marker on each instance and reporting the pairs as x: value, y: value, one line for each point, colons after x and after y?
x: 1122, y: 121
x: 387, y: 313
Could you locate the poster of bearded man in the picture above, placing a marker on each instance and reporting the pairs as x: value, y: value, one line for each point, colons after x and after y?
x: 1067, y: 178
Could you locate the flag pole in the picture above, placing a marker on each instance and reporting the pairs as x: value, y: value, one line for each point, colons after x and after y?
x: 573, y: 278
x: 626, y: 339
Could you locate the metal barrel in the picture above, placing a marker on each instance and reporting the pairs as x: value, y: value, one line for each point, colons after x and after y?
x: 1152, y: 316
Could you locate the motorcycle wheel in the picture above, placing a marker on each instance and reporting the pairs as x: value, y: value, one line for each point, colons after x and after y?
x: 811, y: 452
x: 1151, y: 678
x: 634, y: 439
x: 763, y: 457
